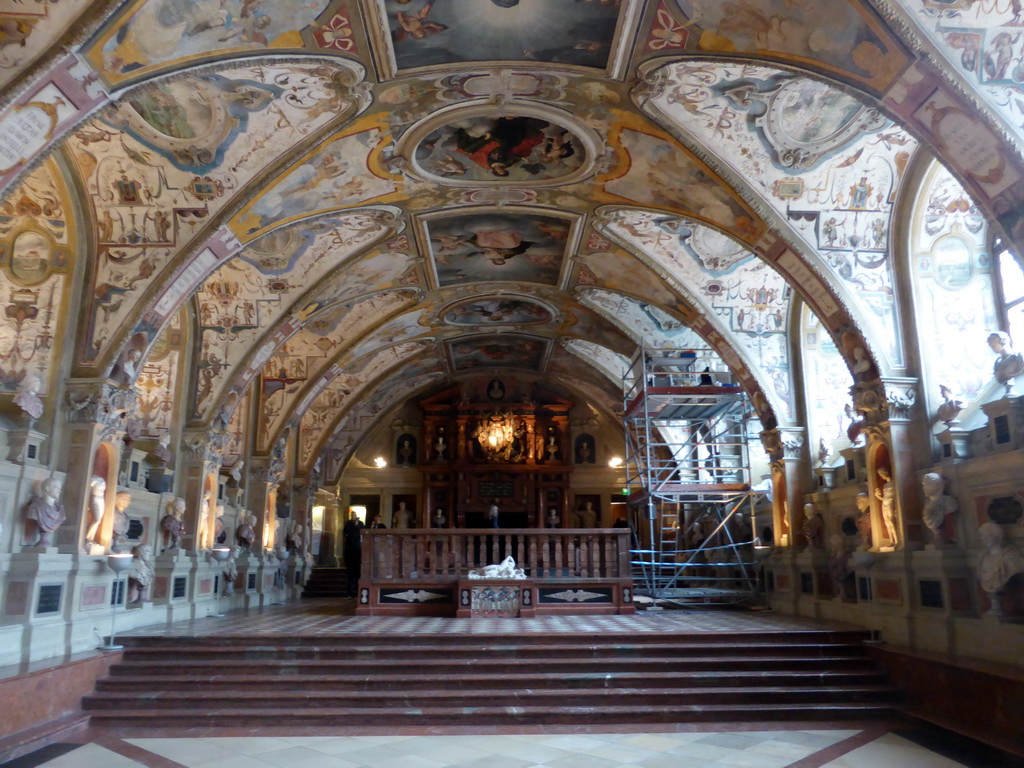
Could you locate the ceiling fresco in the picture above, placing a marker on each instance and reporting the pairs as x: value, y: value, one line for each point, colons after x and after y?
x: 829, y: 166
x: 498, y: 246
x: 284, y: 219
x: 510, y: 148
x: 428, y: 33
x: 500, y: 351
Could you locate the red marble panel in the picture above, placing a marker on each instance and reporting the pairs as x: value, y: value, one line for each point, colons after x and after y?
x: 782, y: 582
x: 17, y: 598
x: 50, y: 693
x: 93, y: 595
x: 205, y: 586
x: 959, y: 594
x: 888, y: 589
x: 160, y: 584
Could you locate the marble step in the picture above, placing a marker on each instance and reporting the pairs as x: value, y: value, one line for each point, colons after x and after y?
x: 655, y: 697
x: 477, y: 640
x: 492, y: 651
x: 519, y: 715
x: 217, y: 681
x: 484, y: 666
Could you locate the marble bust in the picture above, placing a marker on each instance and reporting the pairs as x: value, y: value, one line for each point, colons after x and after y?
x: 28, y: 396
x: 1000, y: 561
x: 162, y: 451
x: 173, y: 523
x: 46, y: 511
x: 1008, y: 364
x: 814, y: 527
x: 246, y: 533
x: 120, y: 530
x: 937, y: 506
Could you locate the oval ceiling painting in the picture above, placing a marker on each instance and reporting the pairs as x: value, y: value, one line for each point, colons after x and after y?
x: 498, y: 311
x: 500, y: 149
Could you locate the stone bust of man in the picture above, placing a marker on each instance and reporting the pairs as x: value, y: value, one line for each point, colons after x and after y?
x: 46, y: 511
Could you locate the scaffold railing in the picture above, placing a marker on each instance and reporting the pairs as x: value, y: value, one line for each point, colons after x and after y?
x: 688, y: 480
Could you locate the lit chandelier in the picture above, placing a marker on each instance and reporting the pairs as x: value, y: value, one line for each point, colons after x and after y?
x: 496, y: 434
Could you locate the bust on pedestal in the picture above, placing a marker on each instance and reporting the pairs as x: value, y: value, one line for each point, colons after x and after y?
x: 45, y: 511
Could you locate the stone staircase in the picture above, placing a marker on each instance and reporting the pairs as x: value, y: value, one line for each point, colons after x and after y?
x: 325, y: 581
x: 477, y: 679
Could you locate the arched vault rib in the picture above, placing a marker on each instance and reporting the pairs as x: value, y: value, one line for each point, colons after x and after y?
x: 257, y: 300
x: 321, y: 350
x: 326, y: 410
x: 817, y: 164
x: 158, y: 198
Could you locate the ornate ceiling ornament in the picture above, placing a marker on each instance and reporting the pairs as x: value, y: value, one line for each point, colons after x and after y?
x: 803, y: 121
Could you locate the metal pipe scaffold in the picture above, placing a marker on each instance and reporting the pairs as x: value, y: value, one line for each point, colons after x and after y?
x: 693, y: 505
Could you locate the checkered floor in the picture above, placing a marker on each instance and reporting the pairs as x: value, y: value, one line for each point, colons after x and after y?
x: 333, y: 617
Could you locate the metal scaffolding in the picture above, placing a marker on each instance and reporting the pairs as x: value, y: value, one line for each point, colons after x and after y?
x: 688, y: 478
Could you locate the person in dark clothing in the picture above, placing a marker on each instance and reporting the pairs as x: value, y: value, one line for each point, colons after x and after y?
x: 352, y: 547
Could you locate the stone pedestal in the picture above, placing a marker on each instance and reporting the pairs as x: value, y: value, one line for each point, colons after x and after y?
x: 496, y: 598
x: 174, y: 571
x: 25, y: 446
x: 814, y: 580
x: 942, y: 581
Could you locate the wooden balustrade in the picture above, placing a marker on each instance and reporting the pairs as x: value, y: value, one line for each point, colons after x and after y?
x: 401, y: 567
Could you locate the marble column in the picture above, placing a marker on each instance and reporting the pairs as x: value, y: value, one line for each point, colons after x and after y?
x: 791, y: 480
x: 198, y: 467
x: 97, y: 411
x: 887, y: 407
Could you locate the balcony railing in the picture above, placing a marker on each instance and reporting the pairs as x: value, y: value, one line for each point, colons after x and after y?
x: 448, y: 555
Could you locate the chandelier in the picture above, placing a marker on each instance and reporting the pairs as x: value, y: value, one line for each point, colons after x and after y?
x: 498, y: 436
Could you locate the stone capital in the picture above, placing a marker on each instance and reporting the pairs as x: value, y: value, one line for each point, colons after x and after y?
x: 783, y: 443
x: 206, y: 445
x: 102, y: 403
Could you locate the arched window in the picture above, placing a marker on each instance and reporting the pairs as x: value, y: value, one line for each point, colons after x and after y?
x: 953, y: 288
x: 1011, y: 282
x: 827, y: 382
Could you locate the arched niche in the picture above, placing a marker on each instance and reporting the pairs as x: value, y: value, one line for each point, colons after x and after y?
x: 99, y: 519
x: 879, y: 461
x: 780, y: 511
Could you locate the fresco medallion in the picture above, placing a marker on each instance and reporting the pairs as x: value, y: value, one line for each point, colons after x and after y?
x: 500, y: 310
x: 509, y: 148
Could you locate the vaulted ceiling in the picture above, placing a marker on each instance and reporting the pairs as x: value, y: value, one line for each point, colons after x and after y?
x: 307, y: 211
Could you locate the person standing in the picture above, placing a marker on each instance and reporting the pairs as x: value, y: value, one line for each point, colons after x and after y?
x: 352, y: 547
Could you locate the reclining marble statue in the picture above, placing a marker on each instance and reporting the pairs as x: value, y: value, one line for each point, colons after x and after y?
x: 506, y: 570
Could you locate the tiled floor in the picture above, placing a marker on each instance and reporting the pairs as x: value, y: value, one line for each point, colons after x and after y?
x: 838, y: 748
x: 333, y: 617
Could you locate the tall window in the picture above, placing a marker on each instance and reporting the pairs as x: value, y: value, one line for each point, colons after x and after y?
x: 1011, y: 276
x: 956, y: 308
x: 827, y: 382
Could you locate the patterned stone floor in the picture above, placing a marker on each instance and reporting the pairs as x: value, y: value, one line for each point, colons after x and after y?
x: 334, y: 617
x: 776, y: 748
